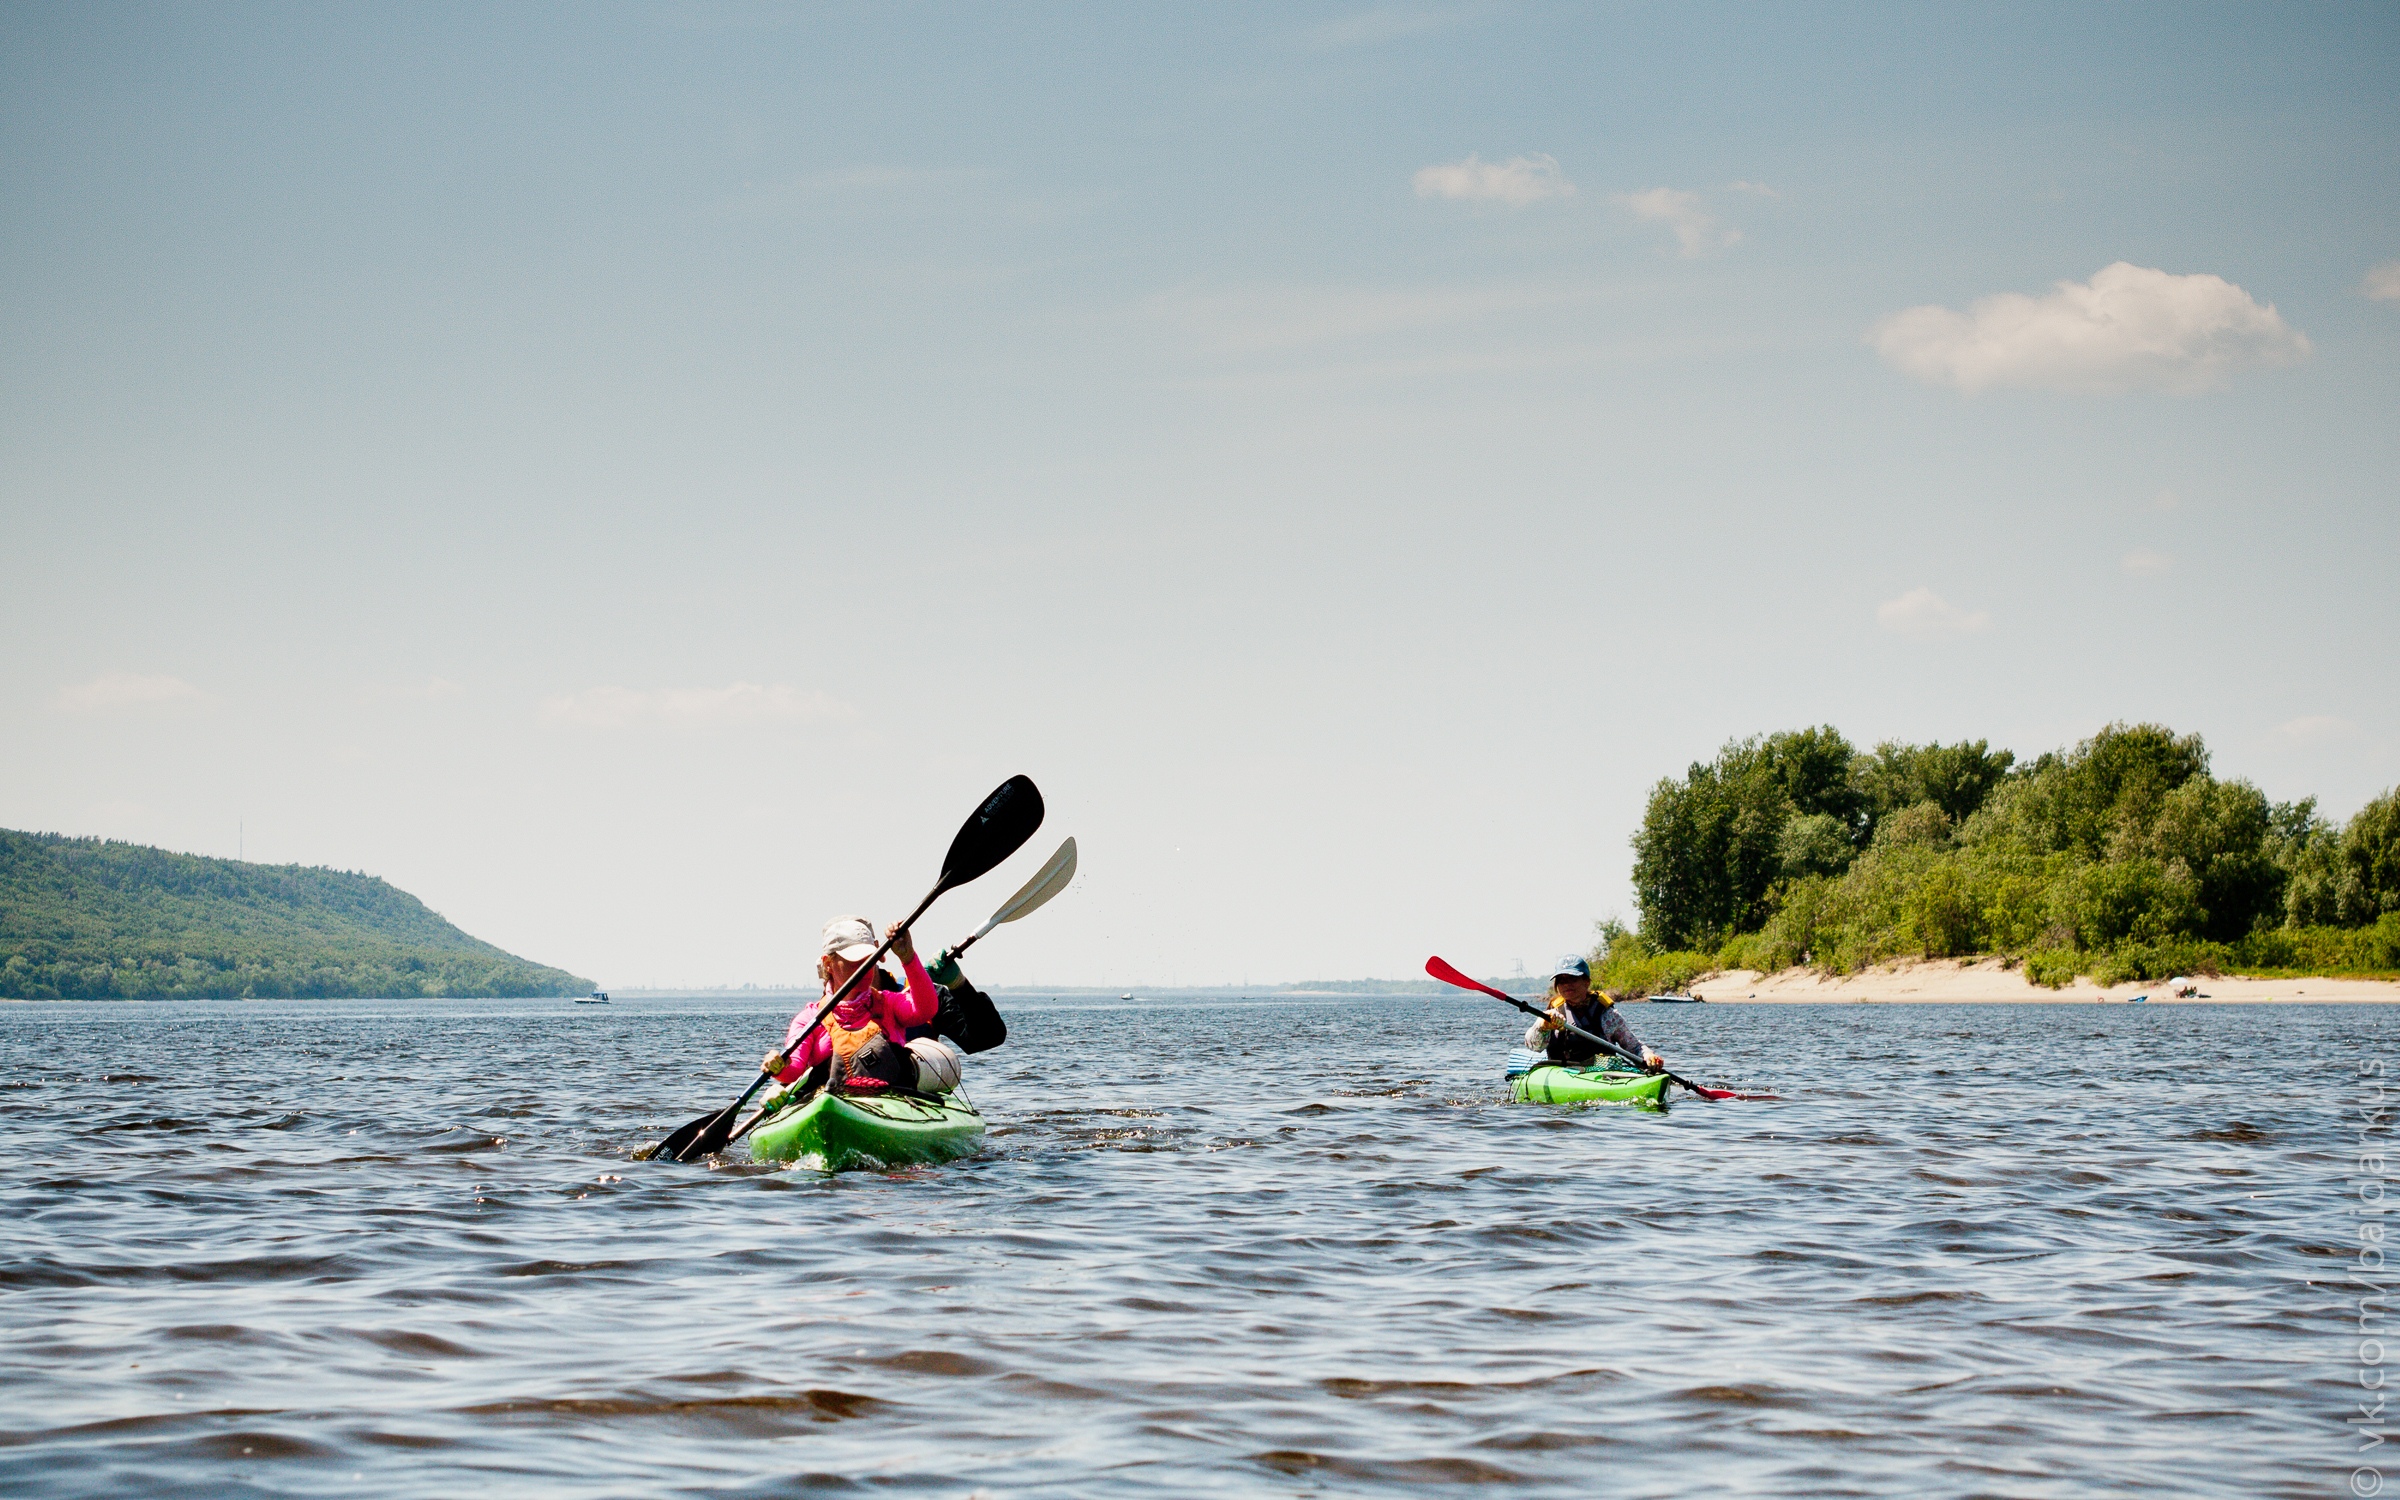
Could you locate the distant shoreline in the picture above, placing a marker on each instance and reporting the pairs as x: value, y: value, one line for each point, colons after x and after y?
x: 1939, y: 981
x: 1987, y: 982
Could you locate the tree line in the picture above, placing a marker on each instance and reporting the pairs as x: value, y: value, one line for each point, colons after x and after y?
x: 2123, y: 857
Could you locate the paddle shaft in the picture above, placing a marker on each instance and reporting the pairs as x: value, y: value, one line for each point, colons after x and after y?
x: 725, y: 1116
x: 1448, y: 973
x: 759, y: 1115
x: 1034, y: 894
x: 1597, y: 1040
x: 959, y: 948
x: 783, y: 1059
x: 998, y: 828
x: 856, y: 975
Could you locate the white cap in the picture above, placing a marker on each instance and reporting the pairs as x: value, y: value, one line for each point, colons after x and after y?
x: 852, y: 938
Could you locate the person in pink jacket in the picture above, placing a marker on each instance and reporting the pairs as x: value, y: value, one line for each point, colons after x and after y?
x: 864, y: 1040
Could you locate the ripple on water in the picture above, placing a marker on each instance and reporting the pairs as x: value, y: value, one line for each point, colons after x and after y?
x: 2039, y: 1251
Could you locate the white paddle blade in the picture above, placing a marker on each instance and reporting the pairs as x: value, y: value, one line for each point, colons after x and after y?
x: 1048, y: 881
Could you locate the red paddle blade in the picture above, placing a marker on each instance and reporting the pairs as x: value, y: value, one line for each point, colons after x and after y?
x: 1447, y: 973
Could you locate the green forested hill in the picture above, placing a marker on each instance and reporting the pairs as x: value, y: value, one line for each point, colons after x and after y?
x: 83, y: 919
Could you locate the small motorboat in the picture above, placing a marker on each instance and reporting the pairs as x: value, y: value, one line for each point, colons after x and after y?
x: 596, y: 997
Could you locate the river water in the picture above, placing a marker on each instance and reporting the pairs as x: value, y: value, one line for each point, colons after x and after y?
x: 1283, y: 1247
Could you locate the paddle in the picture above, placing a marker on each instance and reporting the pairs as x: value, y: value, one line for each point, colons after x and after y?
x: 802, y: 1088
x: 1448, y: 974
x: 998, y: 829
x: 1048, y: 881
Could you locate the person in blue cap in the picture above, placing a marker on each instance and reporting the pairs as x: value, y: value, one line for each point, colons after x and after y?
x: 1572, y: 1001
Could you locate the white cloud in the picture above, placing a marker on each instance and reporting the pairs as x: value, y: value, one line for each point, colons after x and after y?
x: 2141, y: 562
x: 1928, y: 616
x: 1697, y: 231
x: 2128, y: 327
x: 732, y: 706
x: 1518, y: 181
x: 2383, y: 282
x: 1758, y: 188
x: 2315, y: 727
x: 126, y: 690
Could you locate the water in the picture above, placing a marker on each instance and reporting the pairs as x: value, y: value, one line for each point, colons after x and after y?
x: 356, y: 1248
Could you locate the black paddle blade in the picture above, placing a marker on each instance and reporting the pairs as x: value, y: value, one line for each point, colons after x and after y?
x: 675, y: 1146
x: 707, y: 1135
x: 998, y: 829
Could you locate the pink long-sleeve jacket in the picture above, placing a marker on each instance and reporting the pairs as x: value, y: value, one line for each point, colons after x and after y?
x: 896, y: 1011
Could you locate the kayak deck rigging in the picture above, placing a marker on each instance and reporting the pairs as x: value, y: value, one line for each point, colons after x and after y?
x: 836, y: 1132
x: 1533, y: 1079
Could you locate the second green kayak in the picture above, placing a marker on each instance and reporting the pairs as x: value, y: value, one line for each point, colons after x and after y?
x: 1556, y: 1083
x: 839, y: 1132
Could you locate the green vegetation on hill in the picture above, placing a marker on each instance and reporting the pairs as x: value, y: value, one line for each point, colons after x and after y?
x: 2122, y: 858
x: 83, y: 919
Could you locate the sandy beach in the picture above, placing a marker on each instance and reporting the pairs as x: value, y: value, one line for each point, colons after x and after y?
x: 1950, y: 980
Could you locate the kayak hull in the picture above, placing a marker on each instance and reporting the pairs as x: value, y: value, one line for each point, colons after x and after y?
x: 843, y: 1132
x: 1555, y: 1083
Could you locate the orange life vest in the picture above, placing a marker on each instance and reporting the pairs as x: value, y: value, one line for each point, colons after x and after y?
x: 845, y: 1042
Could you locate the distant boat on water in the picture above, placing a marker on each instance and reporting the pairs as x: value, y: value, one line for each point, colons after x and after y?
x: 1676, y: 1000
x: 596, y: 997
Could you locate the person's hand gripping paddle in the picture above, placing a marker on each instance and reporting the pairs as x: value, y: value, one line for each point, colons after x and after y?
x: 1448, y: 973
x: 998, y: 829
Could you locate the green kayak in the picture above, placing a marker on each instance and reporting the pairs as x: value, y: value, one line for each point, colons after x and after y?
x: 837, y: 1132
x: 1556, y: 1083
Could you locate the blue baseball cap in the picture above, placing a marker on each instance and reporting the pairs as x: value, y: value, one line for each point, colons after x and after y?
x: 1572, y: 964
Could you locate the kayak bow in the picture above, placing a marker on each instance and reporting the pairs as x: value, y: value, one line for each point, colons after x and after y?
x: 841, y: 1132
x: 1561, y: 1083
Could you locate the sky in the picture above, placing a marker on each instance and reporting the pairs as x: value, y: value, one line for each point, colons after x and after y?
x: 636, y: 476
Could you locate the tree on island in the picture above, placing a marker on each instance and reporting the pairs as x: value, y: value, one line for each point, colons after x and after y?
x: 2123, y: 857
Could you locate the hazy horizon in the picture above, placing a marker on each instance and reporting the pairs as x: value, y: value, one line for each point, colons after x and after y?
x: 634, y: 477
